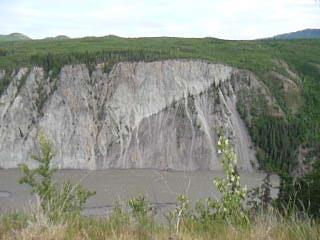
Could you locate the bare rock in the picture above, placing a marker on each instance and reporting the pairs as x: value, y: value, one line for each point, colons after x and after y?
x: 162, y: 115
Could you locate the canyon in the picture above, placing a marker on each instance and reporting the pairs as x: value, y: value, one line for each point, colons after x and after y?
x: 161, y: 115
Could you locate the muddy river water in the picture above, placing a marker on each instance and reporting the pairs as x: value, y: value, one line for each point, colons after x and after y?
x: 160, y: 187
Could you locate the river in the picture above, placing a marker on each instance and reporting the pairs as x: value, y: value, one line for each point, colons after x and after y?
x: 161, y: 188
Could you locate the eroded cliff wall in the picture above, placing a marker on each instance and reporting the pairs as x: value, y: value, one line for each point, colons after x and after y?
x: 163, y: 115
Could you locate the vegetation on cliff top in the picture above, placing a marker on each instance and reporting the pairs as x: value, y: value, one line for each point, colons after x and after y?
x: 258, y: 56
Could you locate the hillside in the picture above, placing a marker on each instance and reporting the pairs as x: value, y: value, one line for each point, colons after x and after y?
x: 284, y: 133
x: 303, y: 34
x: 13, y: 37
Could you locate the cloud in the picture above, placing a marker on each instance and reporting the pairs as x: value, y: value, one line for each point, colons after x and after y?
x: 231, y: 19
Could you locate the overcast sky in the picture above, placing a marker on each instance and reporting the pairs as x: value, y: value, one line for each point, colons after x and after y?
x: 228, y: 19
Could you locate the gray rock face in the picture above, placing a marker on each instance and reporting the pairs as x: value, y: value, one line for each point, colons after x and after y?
x: 163, y: 115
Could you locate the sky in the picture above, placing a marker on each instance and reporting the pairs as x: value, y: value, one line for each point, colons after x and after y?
x: 227, y: 19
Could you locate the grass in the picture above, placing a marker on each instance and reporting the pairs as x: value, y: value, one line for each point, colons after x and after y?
x: 264, y: 226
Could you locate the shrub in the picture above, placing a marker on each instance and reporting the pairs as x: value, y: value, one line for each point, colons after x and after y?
x: 141, y: 211
x: 230, y: 206
x: 180, y: 213
x: 56, y: 201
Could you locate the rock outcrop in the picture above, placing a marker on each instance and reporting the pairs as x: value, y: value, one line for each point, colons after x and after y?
x: 163, y: 115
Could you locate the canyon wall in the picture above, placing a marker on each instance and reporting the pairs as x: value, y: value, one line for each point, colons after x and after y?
x: 161, y: 115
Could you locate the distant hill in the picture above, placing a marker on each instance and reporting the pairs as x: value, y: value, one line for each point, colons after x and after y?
x: 13, y: 37
x: 59, y: 37
x: 303, y: 34
x: 19, y: 37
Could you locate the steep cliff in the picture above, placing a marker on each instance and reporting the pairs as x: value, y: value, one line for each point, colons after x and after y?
x: 163, y: 115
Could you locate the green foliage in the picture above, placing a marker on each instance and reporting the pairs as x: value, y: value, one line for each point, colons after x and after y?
x: 141, y: 211
x: 278, y: 140
x: 251, y: 104
x: 3, y: 52
x: 4, y: 83
x: 231, y: 203
x: 55, y: 202
x: 302, y: 193
x: 40, y: 179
